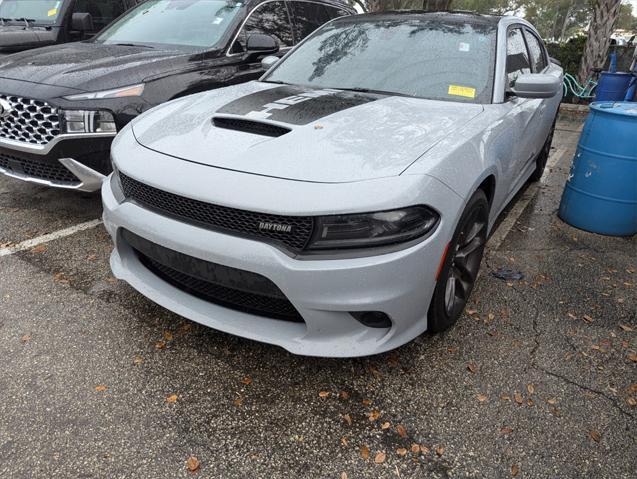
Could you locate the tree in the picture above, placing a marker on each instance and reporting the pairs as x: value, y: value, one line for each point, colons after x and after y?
x: 381, y: 5
x: 605, y: 15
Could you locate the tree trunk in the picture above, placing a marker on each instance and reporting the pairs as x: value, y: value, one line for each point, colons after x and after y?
x: 605, y: 14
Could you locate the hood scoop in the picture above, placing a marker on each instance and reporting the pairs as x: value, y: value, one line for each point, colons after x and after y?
x: 250, y: 126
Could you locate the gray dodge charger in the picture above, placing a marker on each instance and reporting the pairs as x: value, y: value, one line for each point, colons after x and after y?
x: 340, y: 205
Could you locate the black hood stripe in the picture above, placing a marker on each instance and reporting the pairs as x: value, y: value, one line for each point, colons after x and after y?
x: 295, y: 105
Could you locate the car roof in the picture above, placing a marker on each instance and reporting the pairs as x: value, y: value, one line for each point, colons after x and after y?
x: 453, y: 16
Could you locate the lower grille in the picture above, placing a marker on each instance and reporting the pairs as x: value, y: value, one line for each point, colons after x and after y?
x: 50, y: 170
x: 292, y: 231
x: 229, y: 287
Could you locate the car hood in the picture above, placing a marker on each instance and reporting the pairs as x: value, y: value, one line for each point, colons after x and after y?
x: 326, y: 136
x: 90, y: 66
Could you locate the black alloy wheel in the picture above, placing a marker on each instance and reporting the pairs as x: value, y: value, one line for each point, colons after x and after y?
x: 462, y: 263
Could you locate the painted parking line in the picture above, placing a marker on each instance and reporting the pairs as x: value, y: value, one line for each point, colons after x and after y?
x: 32, y: 243
x: 518, y: 208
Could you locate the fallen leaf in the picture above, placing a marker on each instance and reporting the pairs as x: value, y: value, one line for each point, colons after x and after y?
x: 343, y: 395
x: 324, y: 394
x: 452, y: 349
x: 344, y: 441
x: 348, y: 419
x: 385, y: 425
x: 247, y: 380
x: 375, y: 372
x: 424, y: 449
x: 25, y: 338
x: 632, y: 388
x: 632, y: 402
x: 373, y: 415
x: 39, y: 249
x: 530, y: 388
x: 401, y: 451
x: 626, y: 328
x: 595, y: 436
x: 633, y: 357
x: 366, y: 402
x: 471, y: 312
x: 138, y: 360
x: 238, y: 402
x: 343, y: 475
x: 60, y: 278
x: 91, y: 257
x: 505, y: 397
x: 160, y: 345
x: 402, y: 432
x: 380, y: 458
x: 415, y: 448
x: 587, y: 318
x: 552, y: 401
x: 365, y: 452
x: 168, y: 336
x: 472, y: 367
x: 440, y: 450
x: 571, y: 315
x: 530, y: 402
x: 515, y: 470
x: 491, y: 316
x: 506, y: 430
x: 518, y: 397
x: 171, y: 399
x: 192, y: 464
x: 100, y: 389
x: 482, y: 397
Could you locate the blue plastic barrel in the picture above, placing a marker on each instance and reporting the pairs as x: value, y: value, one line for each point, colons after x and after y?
x: 612, y: 86
x: 601, y: 192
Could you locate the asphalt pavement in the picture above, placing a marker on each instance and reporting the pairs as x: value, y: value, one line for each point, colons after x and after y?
x: 537, y: 380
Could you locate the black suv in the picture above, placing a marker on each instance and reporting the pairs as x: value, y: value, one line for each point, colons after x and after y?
x: 26, y: 24
x: 61, y: 106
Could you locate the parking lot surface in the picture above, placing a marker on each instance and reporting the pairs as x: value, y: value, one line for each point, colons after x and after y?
x: 538, y: 379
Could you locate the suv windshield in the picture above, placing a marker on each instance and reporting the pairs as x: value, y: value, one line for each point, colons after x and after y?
x: 38, y: 11
x: 437, y: 57
x: 182, y: 23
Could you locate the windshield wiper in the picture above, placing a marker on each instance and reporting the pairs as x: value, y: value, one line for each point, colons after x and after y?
x: 133, y: 45
x: 370, y: 90
x: 276, y: 82
x: 25, y: 20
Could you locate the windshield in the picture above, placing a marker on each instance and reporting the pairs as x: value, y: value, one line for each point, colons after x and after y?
x: 38, y: 11
x: 437, y: 58
x: 190, y: 23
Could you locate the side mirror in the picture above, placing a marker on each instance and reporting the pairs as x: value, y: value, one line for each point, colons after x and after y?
x: 269, y: 61
x: 537, y: 86
x: 82, y: 22
x: 261, y: 44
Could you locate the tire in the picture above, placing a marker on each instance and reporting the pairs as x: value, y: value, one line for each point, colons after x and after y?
x: 462, y: 263
x: 543, y: 157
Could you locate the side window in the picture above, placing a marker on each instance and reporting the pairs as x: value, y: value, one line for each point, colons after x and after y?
x: 517, y: 56
x: 308, y: 17
x: 103, y: 12
x: 271, y: 19
x: 335, y: 12
x: 538, y: 55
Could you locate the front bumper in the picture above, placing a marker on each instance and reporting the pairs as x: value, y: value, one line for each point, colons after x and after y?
x: 324, y: 291
x: 71, y: 162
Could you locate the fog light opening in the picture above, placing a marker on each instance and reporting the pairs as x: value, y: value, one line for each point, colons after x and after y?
x: 372, y: 319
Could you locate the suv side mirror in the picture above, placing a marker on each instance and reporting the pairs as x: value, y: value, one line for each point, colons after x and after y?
x: 82, y: 22
x: 536, y: 85
x: 261, y: 44
x: 269, y: 61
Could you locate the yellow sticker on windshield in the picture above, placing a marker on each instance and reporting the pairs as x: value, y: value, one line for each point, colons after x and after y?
x: 52, y: 12
x: 464, y: 91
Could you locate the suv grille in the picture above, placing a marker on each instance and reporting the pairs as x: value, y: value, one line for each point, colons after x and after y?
x: 231, y: 220
x: 230, y: 287
x: 45, y: 170
x: 30, y: 121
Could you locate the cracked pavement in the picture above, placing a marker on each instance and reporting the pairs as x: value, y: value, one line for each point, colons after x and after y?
x: 536, y: 380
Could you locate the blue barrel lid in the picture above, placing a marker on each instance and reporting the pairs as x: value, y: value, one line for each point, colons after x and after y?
x: 627, y: 108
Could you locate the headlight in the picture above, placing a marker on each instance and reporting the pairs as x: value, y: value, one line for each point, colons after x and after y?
x: 116, y: 186
x: 88, y: 121
x: 372, y: 229
x: 134, y: 90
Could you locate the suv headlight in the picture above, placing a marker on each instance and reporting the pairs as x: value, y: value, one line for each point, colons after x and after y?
x: 134, y: 90
x: 87, y: 121
x: 372, y: 229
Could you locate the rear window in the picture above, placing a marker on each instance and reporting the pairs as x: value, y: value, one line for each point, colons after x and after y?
x: 438, y: 58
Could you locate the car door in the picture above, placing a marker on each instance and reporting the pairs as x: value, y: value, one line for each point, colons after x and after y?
x: 522, y: 111
x: 270, y: 18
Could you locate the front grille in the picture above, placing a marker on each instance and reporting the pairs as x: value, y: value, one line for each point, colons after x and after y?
x: 250, y: 126
x: 44, y: 170
x: 229, y: 287
x: 240, y: 222
x: 30, y: 121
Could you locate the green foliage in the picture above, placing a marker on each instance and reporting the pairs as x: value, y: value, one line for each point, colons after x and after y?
x: 569, y: 53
